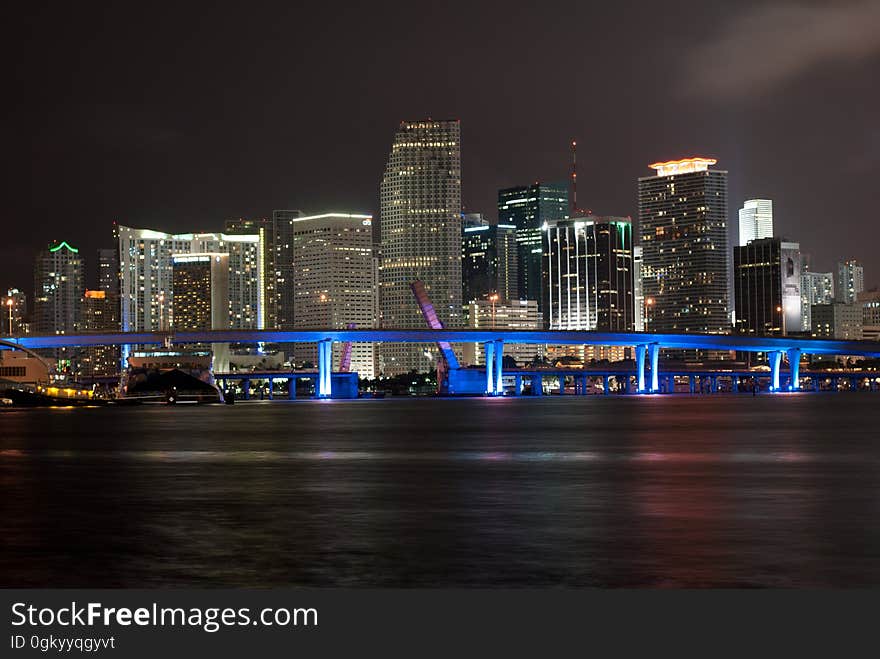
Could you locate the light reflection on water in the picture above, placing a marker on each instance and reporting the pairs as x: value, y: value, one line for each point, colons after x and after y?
x: 658, y: 491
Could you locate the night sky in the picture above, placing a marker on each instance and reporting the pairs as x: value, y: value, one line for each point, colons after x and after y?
x: 174, y: 117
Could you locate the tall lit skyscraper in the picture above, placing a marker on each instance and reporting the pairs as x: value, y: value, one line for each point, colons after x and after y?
x: 683, y: 227
x: 420, y: 227
x: 816, y: 288
x: 767, y: 276
x: 588, y: 274
x: 638, y: 290
x: 488, y: 259
x: 527, y: 208
x: 100, y: 313
x: 755, y: 220
x: 280, y: 298
x: 850, y: 281
x: 58, y: 290
x: 108, y: 270
x: 200, y: 283
x: 335, y: 282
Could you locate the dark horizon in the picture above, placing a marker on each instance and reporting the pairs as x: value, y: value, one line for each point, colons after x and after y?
x: 181, y: 118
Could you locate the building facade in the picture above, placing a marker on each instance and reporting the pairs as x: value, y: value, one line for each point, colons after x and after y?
x: 837, y: 320
x: 420, y: 228
x: 527, y: 208
x: 850, y: 281
x: 816, y: 288
x: 869, y: 301
x: 755, y: 220
x: 683, y: 231
x: 638, y: 291
x: 58, y: 290
x: 488, y: 260
x: 767, y: 280
x: 512, y: 315
x: 100, y: 313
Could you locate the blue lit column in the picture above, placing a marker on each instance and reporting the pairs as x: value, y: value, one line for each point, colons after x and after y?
x: 246, y: 386
x: 517, y: 387
x: 291, y: 391
x: 640, y: 365
x: 271, y: 389
x: 654, y: 356
x: 489, y: 349
x: 775, y: 358
x: 606, y: 388
x: 537, y: 385
x: 499, y: 367
x: 325, y: 366
x: 692, y: 383
x: 794, y: 362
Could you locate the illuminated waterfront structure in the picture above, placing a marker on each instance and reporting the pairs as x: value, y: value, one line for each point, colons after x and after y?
x: 335, y: 282
x: 527, y: 207
x: 683, y: 231
x: 420, y: 229
x: 816, y: 288
x: 108, y: 270
x: 767, y: 280
x: 869, y: 301
x: 100, y: 313
x: 58, y: 290
x: 837, y: 320
x: 200, y: 285
x: 850, y: 281
x: 512, y: 315
x: 755, y: 221
x: 146, y: 295
x: 488, y: 260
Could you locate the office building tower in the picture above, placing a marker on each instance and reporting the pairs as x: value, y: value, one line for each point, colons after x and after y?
x: 850, y: 281
x: 58, y: 290
x: 837, y: 320
x: 588, y: 274
x: 146, y: 296
x: 15, y: 313
x: 816, y: 288
x: 420, y: 198
x: 200, y: 285
x: 512, y: 315
x: 108, y: 270
x: 869, y: 301
x: 282, y: 239
x: 100, y: 313
x: 767, y: 277
x: 335, y: 283
x: 755, y: 221
x: 683, y: 230
x: 488, y: 259
x: 638, y: 291
x: 527, y: 208
x: 264, y: 229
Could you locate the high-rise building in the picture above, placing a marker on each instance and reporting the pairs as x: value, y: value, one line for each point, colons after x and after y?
x: 869, y: 301
x: 816, y: 288
x: 420, y: 228
x: 265, y: 230
x: 58, y: 290
x: 512, y: 315
x: 108, y: 270
x: 837, y: 320
x: 335, y: 282
x: 200, y: 285
x: 683, y: 230
x: 638, y: 291
x: 588, y: 274
x: 527, y: 208
x: 755, y: 220
x: 100, y: 313
x: 15, y: 313
x: 146, y: 296
x: 488, y: 259
x: 850, y: 281
x: 767, y: 278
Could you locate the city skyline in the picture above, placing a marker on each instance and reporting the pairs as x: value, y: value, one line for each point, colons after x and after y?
x: 173, y: 157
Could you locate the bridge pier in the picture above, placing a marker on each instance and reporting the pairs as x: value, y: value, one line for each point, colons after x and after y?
x: 654, y: 356
x: 325, y: 368
x: 640, y: 369
x: 794, y: 363
x: 246, y: 388
x: 735, y: 384
x: 499, y: 368
x: 775, y: 358
x: 517, y: 387
x: 271, y: 389
x: 489, y: 358
x: 291, y: 388
x: 692, y: 383
x: 537, y: 385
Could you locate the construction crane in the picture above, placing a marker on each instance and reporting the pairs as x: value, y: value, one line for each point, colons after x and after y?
x: 447, y: 361
x: 575, y: 210
x: 345, y: 359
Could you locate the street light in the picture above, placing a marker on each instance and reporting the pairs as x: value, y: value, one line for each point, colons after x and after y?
x: 781, y: 312
x: 649, y: 302
x: 493, y: 299
x: 9, y: 303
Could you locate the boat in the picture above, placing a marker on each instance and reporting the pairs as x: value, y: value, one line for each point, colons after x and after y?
x: 169, y: 377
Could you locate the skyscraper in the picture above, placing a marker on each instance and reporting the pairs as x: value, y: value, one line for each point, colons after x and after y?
x: 588, y: 274
x: 683, y: 227
x: 335, y: 282
x: 280, y: 299
x: 755, y: 220
x: 58, y: 290
x: 816, y: 288
x: 420, y: 227
x: 100, y: 313
x: 488, y: 259
x: 527, y: 208
x: 638, y: 291
x: 200, y: 283
x: 108, y: 270
x: 850, y: 281
x: 767, y: 276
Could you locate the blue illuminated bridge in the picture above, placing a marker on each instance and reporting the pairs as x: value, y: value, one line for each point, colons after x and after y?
x: 488, y: 381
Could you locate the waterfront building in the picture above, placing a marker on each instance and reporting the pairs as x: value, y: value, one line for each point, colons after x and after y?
x: 15, y: 312
x: 420, y: 234
x: 146, y: 296
x: 200, y: 286
x: 869, y: 301
x: 685, y: 256
x: 527, y: 208
x: 816, y: 288
x: 58, y: 290
x: 335, y: 283
x: 755, y: 221
x: 100, y: 313
x: 508, y: 315
x: 767, y: 276
x: 837, y: 320
x: 108, y: 270
x: 488, y: 259
x: 850, y: 281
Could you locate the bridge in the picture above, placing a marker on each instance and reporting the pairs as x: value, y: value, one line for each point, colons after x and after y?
x: 646, y: 344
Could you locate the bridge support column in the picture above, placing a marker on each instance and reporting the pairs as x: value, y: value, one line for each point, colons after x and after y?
x: 627, y: 383
x: 713, y: 384
x: 605, y: 388
x: 775, y: 358
x: 537, y: 385
x: 670, y: 384
x: 640, y: 369
x: 692, y: 383
x: 291, y: 388
x: 517, y: 387
x: 325, y: 368
x: 489, y: 350
x: 271, y: 389
x: 794, y: 363
x: 654, y: 356
x: 499, y: 368
x: 246, y: 387
x: 735, y: 384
